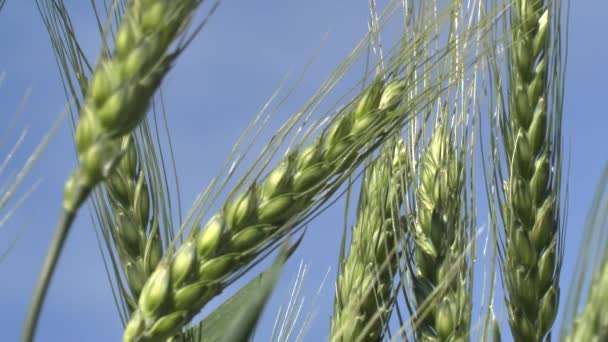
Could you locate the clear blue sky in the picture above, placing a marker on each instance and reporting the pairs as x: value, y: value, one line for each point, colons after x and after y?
x: 212, y: 93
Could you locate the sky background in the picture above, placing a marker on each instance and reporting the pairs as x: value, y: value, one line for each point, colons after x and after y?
x: 217, y: 87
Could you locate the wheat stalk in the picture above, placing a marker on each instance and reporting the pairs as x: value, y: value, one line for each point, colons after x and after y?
x: 531, y: 258
x: 365, y: 282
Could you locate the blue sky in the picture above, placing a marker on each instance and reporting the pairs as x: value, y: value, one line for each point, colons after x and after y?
x: 225, y: 78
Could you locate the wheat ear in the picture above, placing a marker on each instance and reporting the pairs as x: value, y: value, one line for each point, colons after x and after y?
x: 440, y: 243
x: 121, y: 87
x: 592, y: 323
x: 185, y: 282
x: 365, y: 282
x: 588, y: 289
x: 116, y: 101
x: 530, y: 264
x: 139, y: 249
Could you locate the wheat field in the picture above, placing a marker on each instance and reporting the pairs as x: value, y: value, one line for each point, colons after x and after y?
x: 342, y: 171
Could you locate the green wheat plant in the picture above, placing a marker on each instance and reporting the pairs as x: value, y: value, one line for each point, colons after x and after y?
x: 396, y: 122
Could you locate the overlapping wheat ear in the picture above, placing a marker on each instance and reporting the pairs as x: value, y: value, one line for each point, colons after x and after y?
x: 139, y: 248
x: 341, y: 123
x: 592, y: 323
x: 116, y: 100
x: 364, y: 287
x: 532, y: 246
x: 253, y: 220
x: 437, y: 278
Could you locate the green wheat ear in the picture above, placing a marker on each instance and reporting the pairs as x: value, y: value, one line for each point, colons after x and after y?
x: 196, y: 272
x: 116, y: 100
x: 364, y: 286
x: 139, y: 248
x: 440, y: 242
x: 592, y: 323
x: 530, y: 212
x: 585, y: 316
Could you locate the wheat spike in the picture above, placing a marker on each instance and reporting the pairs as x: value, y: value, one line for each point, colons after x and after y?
x: 592, y: 323
x: 121, y: 87
x: 231, y: 238
x: 365, y: 284
x: 139, y: 248
x: 531, y: 263
x: 440, y: 243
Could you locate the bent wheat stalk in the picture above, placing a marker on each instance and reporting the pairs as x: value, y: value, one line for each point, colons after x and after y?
x: 116, y: 101
x: 365, y: 281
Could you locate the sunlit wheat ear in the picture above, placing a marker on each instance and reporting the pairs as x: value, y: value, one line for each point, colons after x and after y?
x: 185, y: 282
x: 532, y: 254
x: 440, y: 241
x: 121, y: 87
x: 365, y: 283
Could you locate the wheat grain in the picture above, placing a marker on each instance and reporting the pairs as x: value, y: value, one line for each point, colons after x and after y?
x: 531, y: 264
x: 232, y: 237
x: 365, y: 283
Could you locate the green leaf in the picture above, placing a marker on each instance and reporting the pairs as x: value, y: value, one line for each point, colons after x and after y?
x: 236, y: 318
